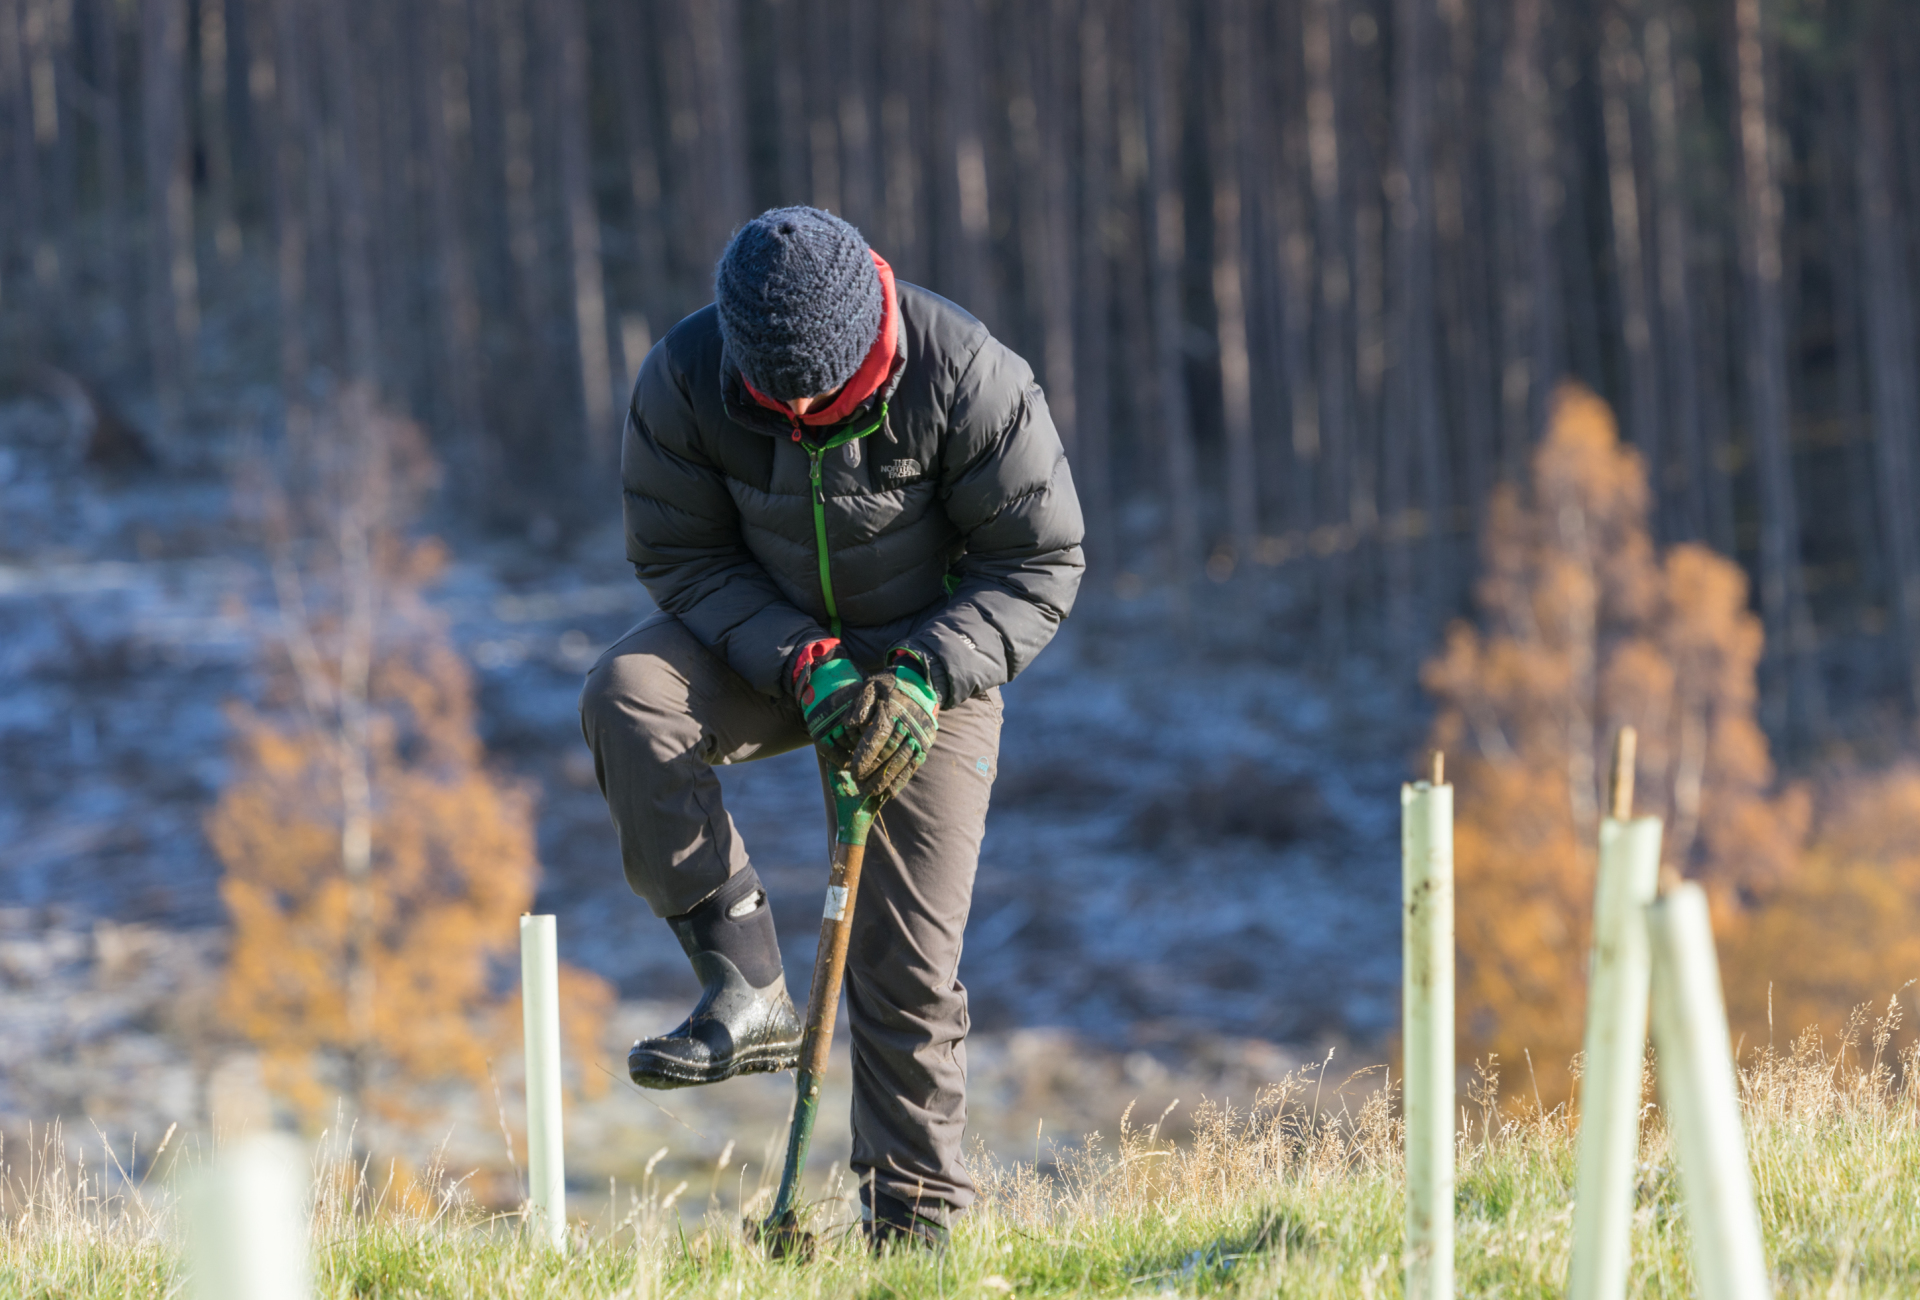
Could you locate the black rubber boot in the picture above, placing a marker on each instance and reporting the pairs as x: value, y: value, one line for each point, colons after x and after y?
x: 745, y: 1023
x: 893, y: 1224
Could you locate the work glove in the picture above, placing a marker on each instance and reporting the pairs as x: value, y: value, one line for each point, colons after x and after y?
x: 828, y: 687
x: 896, y: 712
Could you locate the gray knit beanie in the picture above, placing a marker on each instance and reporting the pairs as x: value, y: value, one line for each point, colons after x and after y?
x: 800, y: 301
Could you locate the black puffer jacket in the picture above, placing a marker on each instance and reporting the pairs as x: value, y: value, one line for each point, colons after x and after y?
x: 952, y: 528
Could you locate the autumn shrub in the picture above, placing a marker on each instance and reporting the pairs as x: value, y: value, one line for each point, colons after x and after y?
x: 1584, y: 627
x: 375, y: 864
x: 1844, y: 925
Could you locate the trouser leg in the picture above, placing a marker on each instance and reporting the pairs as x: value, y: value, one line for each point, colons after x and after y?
x: 659, y: 710
x: 906, y: 1007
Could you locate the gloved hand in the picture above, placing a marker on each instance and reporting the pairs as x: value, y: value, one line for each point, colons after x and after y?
x: 897, y: 713
x: 828, y: 687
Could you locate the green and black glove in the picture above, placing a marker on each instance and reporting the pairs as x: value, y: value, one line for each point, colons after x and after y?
x: 897, y: 713
x: 828, y: 687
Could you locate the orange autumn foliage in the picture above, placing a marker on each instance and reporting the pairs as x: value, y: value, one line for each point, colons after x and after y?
x: 1843, y: 930
x: 1583, y: 629
x: 430, y: 929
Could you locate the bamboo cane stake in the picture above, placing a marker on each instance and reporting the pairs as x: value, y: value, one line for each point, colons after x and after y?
x: 1426, y: 842
x: 1703, y: 1107
x: 540, y: 1001
x: 1616, y: 1038
x: 246, y: 1224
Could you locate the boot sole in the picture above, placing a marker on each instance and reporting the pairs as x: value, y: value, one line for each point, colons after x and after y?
x: 653, y: 1070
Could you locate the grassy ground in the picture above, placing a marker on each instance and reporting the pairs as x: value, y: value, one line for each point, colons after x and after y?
x: 1300, y: 1196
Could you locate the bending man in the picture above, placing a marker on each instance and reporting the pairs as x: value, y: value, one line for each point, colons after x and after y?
x: 852, y: 510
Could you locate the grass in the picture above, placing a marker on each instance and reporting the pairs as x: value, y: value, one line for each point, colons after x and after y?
x: 1298, y: 1196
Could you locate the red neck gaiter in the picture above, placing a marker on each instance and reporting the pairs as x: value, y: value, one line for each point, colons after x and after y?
x: 867, y: 379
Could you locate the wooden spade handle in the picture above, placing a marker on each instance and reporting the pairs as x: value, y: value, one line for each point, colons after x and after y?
x: 830, y: 959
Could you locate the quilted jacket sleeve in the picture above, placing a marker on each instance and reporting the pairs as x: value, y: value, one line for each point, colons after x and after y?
x: 1007, y: 488
x: 684, y: 539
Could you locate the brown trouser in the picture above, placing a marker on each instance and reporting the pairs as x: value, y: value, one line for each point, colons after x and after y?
x: 659, y: 710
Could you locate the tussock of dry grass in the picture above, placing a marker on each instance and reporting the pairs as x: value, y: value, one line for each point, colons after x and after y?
x: 1297, y: 1194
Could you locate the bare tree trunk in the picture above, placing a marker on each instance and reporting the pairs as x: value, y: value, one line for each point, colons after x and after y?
x: 1289, y: 240
x: 1228, y: 165
x: 44, y: 29
x: 215, y: 138
x: 344, y: 147
x: 356, y: 775
x: 1373, y: 458
x: 395, y: 197
x: 445, y: 110
x: 1052, y: 98
x: 1093, y: 468
x: 1136, y: 389
x: 1534, y: 301
x: 122, y: 275
x: 583, y: 240
x: 1704, y: 513
x: 1333, y: 538
x: 653, y: 294
x: 821, y: 38
x: 1045, y: 249
x: 1159, y: 48
x: 173, y: 290
x: 714, y: 26
x: 523, y: 222
x: 861, y: 47
x: 793, y: 130
x: 1459, y: 219
x: 1782, y: 600
x: 1895, y: 402
x: 964, y: 160
x: 902, y: 57
x: 1619, y: 79
x: 294, y: 136
x: 22, y: 200
x: 1839, y: 233
x: 1414, y: 407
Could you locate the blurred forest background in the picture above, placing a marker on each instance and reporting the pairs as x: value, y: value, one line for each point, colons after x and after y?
x: 1586, y: 330
x: 1299, y: 277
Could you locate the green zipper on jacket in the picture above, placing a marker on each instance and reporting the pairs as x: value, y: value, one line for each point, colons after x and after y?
x: 820, y: 536
x: 820, y: 503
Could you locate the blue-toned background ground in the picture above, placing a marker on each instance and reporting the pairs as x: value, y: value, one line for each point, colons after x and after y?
x: 1189, y: 879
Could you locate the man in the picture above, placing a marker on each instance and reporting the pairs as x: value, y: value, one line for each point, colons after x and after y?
x: 851, y: 507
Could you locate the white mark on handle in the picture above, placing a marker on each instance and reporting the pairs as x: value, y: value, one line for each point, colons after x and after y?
x: 836, y: 903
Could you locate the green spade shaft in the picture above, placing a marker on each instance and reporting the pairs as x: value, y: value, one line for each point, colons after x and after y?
x: 853, y: 815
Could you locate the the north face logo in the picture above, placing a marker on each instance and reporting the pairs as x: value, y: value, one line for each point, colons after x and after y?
x: 900, y: 469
